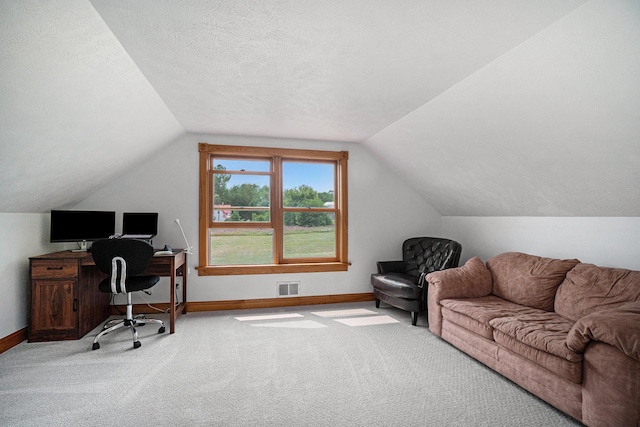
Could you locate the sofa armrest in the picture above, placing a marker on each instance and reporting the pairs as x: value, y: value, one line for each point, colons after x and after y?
x: 618, y: 327
x: 610, y: 387
x: 472, y: 280
x: 391, y: 267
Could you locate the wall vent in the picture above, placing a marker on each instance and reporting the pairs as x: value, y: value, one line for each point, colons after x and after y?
x: 286, y: 289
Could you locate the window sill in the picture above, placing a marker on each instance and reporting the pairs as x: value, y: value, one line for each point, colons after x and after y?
x: 271, y: 269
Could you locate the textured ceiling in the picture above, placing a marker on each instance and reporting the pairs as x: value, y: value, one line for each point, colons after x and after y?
x: 75, y: 110
x: 551, y: 128
x: 328, y: 70
x: 498, y: 107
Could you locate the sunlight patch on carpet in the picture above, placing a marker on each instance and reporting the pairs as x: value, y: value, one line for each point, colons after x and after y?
x: 292, y: 324
x: 366, y: 321
x: 268, y: 317
x: 344, y: 313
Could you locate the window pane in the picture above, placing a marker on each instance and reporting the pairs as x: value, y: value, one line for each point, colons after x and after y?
x: 307, y: 184
x: 242, y: 165
x: 310, y: 242
x: 233, y: 246
x: 241, y: 190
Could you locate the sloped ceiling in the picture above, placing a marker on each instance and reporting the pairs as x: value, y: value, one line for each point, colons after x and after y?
x: 550, y: 128
x: 75, y: 110
x: 485, y: 108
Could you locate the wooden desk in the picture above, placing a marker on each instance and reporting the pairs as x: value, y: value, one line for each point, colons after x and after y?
x: 66, y: 303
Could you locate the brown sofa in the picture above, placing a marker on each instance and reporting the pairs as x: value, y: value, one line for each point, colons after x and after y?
x: 566, y: 331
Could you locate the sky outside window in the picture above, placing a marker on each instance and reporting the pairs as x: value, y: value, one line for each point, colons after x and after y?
x: 318, y: 176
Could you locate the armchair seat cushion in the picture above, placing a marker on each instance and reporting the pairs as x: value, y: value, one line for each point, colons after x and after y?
x: 398, y: 284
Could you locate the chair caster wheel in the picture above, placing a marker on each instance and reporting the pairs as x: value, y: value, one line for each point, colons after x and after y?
x: 161, y: 330
x: 137, y: 344
x: 96, y: 345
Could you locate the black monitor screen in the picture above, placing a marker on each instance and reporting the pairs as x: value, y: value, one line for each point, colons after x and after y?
x: 78, y: 226
x: 140, y: 223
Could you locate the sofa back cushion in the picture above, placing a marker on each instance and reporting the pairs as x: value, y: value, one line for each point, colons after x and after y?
x: 527, y: 279
x: 589, y: 288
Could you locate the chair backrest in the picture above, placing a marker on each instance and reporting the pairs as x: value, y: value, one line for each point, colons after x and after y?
x: 427, y: 254
x: 136, y: 253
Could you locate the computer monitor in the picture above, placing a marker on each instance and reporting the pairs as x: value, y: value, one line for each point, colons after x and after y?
x: 139, y: 225
x: 81, y: 226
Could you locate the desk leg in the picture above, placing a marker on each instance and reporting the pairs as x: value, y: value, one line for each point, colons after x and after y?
x: 176, y: 309
x: 172, y: 302
x: 184, y: 285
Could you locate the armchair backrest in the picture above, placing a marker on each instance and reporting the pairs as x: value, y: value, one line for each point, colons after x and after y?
x: 423, y: 255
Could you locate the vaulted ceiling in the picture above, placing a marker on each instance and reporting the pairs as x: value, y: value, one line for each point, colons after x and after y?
x: 492, y: 108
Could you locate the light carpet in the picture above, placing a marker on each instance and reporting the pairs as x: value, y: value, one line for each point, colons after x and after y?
x: 329, y: 365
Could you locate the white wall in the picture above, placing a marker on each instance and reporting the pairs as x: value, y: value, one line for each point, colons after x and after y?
x: 382, y: 213
x: 604, y: 241
x: 22, y: 235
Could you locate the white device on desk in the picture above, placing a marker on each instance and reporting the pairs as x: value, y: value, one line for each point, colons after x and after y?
x: 166, y: 251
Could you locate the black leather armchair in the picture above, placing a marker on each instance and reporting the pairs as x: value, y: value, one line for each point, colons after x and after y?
x: 402, y: 284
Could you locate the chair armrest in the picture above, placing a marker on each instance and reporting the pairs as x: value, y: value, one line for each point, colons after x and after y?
x: 472, y: 280
x: 391, y: 267
x: 618, y: 327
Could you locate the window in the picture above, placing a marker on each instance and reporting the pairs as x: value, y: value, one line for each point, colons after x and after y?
x: 271, y: 210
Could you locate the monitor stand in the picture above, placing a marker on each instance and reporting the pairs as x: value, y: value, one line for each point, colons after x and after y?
x: 82, y: 247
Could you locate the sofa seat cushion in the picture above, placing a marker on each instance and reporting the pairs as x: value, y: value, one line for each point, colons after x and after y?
x: 542, y: 338
x: 474, y: 314
x: 398, y: 284
x: 543, y: 331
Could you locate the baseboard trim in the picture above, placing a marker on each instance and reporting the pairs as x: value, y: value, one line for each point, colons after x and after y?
x: 250, y: 303
x: 13, y: 340
x: 277, y: 302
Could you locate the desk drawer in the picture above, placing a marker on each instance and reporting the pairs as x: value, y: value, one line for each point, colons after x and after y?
x: 158, y: 269
x: 53, y: 269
